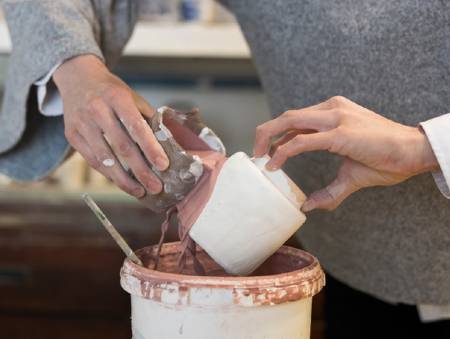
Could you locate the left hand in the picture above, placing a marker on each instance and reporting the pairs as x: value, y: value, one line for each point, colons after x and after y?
x: 377, y: 151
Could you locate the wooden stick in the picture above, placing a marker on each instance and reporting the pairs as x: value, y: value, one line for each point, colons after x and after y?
x: 111, y: 230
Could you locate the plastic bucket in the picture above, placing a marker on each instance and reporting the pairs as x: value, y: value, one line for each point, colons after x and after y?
x: 274, y: 303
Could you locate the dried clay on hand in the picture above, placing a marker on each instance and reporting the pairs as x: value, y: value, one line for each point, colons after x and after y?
x: 179, y: 135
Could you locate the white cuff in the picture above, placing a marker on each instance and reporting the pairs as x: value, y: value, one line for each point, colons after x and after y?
x: 438, y: 132
x: 48, y: 98
x: 430, y: 313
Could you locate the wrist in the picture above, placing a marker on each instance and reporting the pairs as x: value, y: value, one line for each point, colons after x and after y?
x: 82, y: 65
x: 427, y: 161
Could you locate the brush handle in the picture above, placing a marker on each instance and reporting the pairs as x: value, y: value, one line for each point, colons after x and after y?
x: 111, y: 230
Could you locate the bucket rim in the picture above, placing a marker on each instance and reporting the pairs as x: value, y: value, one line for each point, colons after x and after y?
x: 297, y: 284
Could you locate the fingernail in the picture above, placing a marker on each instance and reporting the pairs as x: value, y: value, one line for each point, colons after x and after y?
x: 162, y: 163
x: 154, y: 186
x: 138, y: 192
x: 258, y: 152
x: 309, y: 205
x: 271, y: 167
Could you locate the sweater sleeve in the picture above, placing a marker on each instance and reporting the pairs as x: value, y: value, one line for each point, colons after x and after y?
x: 438, y: 133
x: 47, y: 32
x: 43, y: 33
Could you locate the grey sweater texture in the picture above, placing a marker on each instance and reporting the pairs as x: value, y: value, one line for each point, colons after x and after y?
x: 392, y: 57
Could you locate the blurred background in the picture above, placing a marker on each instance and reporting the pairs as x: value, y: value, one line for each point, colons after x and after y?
x: 59, y: 270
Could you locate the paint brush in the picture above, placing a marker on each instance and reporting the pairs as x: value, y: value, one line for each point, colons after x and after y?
x: 111, y: 229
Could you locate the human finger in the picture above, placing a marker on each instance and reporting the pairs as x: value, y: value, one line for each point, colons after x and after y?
x: 331, y: 196
x: 107, y: 163
x: 299, y: 144
x: 139, y: 130
x: 127, y: 151
x: 314, y: 118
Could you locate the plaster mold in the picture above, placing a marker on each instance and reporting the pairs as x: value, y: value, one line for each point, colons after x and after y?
x: 250, y: 214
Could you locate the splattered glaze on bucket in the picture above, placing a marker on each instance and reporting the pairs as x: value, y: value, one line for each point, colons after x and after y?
x: 288, y: 275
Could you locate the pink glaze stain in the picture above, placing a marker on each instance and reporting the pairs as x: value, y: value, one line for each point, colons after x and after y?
x: 288, y: 275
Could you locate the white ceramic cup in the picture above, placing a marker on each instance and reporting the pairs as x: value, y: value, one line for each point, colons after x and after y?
x: 250, y: 214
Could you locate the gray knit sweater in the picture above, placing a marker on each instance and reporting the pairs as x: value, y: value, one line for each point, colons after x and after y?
x: 392, y: 57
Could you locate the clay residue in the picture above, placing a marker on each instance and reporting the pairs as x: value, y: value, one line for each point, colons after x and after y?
x: 184, y: 169
x: 288, y: 275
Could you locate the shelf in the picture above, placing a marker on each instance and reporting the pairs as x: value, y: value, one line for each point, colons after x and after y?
x: 180, y: 40
x: 188, y: 40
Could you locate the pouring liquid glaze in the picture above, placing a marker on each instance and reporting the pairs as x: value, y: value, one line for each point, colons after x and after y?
x: 235, y: 209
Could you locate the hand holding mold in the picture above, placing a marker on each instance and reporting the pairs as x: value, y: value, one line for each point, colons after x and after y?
x: 104, y: 121
x: 377, y: 151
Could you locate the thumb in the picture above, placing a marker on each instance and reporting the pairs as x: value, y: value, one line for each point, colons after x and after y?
x: 331, y: 196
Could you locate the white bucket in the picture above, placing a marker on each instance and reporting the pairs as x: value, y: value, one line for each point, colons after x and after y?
x: 274, y: 303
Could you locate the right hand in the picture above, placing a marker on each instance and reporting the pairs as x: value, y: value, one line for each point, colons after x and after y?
x: 96, y: 106
x: 376, y: 151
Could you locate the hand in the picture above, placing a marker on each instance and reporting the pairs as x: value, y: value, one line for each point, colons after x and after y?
x: 377, y: 151
x: 103, y: 121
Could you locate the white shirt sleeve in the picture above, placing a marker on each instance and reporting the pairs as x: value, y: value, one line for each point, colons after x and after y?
x: 438, y: 132
x: 431, y: 313
x: 48, y: 98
